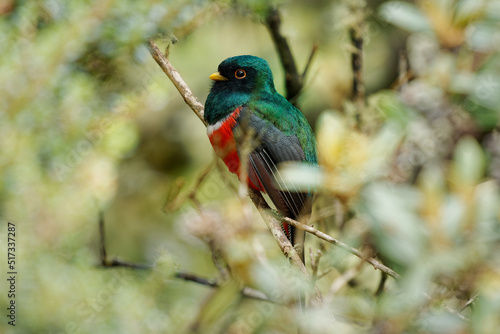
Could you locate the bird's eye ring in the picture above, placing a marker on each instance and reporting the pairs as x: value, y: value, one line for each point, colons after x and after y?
x: 240, y: 74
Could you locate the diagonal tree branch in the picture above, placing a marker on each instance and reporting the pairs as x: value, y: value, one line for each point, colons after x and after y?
x: 177, y: 80
x: 354, y: 251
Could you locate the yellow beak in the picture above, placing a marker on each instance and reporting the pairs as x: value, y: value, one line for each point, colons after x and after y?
x: 217, y: 77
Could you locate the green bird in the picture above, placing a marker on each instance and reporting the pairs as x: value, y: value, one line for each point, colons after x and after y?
x: 246, y: 115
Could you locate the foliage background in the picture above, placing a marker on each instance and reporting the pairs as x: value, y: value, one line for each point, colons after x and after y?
x: 88, y: 122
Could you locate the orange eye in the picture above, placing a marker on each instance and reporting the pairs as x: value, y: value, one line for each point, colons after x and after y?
x: 240, y: 74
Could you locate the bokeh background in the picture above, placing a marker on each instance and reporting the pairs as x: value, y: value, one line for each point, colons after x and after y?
x: 89, y: 123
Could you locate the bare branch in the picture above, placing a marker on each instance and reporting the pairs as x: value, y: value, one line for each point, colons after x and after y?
x: 455, y: 313
x: 309, y: 61
x: 293, y: 80
x: 470, y: 301
x: 119, y: 263
x: 354, y: 251
x: 197, y: 279
x: 246, y: 291
x: 177, y: 80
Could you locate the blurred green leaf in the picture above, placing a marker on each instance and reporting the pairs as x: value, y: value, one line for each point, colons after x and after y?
x: 215, y: 309
x: 468, y: 162
x: 389, y: 105
x: 391, y: 212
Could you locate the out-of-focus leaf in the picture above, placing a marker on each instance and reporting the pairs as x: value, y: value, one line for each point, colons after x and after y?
x: 485, y: 311
x: 467, y: 11
x: 301, y: 176
x: 217, y: 308
x: 445, y: 27
x: 442, y: 322
x: 121, y: 138
x: 483, y: 37
x: 404, y: 15
x: 391, y: 212
x: 468, y: 163
x: 350, y: 158
x: 174, y: 198
x: 485, y: 117
x: 487, y: 199
x: 165, y: 265
x: 389, y: 105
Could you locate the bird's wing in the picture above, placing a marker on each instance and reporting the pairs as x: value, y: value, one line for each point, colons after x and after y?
x: 270, y: 148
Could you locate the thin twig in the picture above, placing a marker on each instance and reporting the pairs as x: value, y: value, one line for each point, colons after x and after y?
x: 246, y: 291
x: 119, y: 263
x: 470, y: 301
x: 196, y: 279
x: 354, y: 251
x: 455, y: 313
x: 177, y: 80
x: 323, y: 274
x: 309, y: 61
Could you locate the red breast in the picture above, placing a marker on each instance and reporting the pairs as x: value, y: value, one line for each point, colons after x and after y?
x: 222, y: 139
